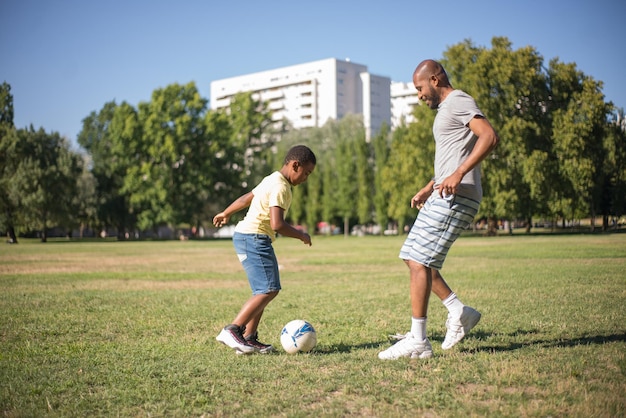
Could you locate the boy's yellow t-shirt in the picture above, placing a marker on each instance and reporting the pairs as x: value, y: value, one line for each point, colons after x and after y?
x: 273, y: 190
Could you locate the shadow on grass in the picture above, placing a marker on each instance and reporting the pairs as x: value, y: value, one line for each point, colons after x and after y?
x: 345, y: 348
x: 557, y: 343
x: 506, y: 344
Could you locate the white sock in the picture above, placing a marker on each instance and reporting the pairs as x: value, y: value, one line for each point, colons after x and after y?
x: 453, y: 304
x: 418, y: 328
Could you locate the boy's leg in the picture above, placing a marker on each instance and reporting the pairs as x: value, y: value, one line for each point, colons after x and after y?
x: 250, y: 314
x: 251, y: 311
x: 258, y: 259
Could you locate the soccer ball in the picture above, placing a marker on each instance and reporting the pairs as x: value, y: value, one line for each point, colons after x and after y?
x: 298, y: 335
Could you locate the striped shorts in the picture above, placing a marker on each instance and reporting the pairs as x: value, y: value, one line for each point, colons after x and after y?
x: 438, y: 224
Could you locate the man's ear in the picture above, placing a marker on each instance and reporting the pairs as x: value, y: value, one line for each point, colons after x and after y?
x: 295, y: 165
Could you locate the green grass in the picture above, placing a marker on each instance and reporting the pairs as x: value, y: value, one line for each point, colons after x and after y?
x: 128, y: 329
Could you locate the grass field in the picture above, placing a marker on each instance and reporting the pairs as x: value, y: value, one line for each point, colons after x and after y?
x: 128, y: 329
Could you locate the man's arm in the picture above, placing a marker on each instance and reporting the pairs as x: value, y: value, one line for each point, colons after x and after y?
x: 485, y: 143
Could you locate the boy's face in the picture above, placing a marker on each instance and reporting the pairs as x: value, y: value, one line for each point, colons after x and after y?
x: 300, y: 172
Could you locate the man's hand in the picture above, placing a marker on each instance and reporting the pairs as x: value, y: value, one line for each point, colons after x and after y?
x: 450, y: 184
x: 422, y: 196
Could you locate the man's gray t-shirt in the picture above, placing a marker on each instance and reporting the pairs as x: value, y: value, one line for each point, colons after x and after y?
x: 454, y: 141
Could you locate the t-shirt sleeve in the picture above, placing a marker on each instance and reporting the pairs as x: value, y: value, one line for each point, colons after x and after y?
x: 466, y: 109
x: 278, y: 197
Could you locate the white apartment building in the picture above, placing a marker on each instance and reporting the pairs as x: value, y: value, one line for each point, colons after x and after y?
x: 308, y: 95
x: 403, y: 101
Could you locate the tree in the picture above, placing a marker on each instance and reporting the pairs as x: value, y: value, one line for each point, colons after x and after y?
x: 614, y: 189
x: 253, y: 134
x: 363, y: 177
x: 380, y: 147
x: 510, y: 88
x: 9, y: 204
x: 348, y: 132
x: 578, y: 143
x: 410, y: 165
x: 165, y: 184
x: 85, y: 201
x: 46, y: 178
x: 106, y: 136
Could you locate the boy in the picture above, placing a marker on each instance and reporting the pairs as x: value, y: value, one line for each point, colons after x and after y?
x: 268, y: 203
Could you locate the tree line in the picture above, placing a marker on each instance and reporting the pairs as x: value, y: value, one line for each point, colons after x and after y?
x: 173, y: 162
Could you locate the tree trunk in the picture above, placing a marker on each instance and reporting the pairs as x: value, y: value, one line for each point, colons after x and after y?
x: 492, y: 227
x: 346, y: 226
x: 12, y: 235
x: 44, y: 230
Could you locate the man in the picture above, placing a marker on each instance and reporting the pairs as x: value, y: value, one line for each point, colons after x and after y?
x: 448, y: 204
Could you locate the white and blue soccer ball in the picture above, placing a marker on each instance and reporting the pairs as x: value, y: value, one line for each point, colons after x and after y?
x: 298, y: 336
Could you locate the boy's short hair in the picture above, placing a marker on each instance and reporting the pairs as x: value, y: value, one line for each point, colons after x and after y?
x: 301, y: 154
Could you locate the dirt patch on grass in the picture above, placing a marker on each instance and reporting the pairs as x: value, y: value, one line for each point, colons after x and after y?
x: 134, y: 285
x: 90, y: 263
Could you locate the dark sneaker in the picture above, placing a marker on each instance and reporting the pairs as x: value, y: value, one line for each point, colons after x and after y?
x: 232, y: 336
x: 259, y: 347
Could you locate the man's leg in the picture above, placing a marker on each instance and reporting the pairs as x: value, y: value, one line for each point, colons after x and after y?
x: 415, y: 344
x: 421, y: 286
x: 461, y: 318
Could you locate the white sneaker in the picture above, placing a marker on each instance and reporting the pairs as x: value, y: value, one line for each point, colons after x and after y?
x: 232, y: 336
x: 407, y: 347
x: 459, y: 327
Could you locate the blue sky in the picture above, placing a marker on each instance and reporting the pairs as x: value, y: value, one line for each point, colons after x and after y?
x: 67, y: 58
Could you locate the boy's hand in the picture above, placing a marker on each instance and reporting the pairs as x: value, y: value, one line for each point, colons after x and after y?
x: 220, y: 219
x: 306, y: 238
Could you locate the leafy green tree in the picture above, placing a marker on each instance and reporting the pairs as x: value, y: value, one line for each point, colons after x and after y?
x: 107, y: 136
x: 220, y: 176
x: 163, y: 185
x: 85, y: 202
x: 348, y: 131
x: 46, y: 177
x: 510, y: 88
x: 410, y: 165
x: 313, y: 206
x: 380, y: 148
x: 578, y: 141
x: 363, y: 177
x: 254, y: 135
x: 613, y: 200
x: 9, y: 203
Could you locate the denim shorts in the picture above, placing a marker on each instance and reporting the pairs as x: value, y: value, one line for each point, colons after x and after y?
x: 258, y: 259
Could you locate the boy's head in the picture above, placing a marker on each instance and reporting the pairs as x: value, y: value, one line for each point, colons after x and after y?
x: 301, y: 154
x: 299, y: 164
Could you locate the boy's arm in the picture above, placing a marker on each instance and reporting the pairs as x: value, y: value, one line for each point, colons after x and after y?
x: 242, y: 202
x: 278, y: 224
